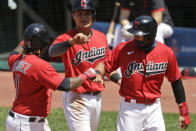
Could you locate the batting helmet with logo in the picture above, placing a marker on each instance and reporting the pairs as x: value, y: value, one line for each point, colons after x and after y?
x: 83, y: 4
x: 144, y: 26
x: 38, y: 35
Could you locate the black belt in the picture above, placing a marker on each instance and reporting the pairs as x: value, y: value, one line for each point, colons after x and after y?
x: 31, y: 119
x: 92, y: 93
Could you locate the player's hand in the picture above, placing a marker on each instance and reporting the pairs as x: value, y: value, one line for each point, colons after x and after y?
x: 79, y: 38
x: 91, y: 74
x: 184, y: 119
x: 125, y: 33
x: 98, y: 78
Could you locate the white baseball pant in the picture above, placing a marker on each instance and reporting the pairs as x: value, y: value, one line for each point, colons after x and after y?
x: 21, y: 123
x: 82, y: 111
x: 140, y: 117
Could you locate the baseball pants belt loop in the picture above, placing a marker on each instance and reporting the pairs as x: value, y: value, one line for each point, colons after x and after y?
x: 145, y: 102
x: 92, y: 93
x: 30, y: 119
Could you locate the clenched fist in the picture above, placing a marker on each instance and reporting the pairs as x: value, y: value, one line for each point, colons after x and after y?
x: 79, y: 38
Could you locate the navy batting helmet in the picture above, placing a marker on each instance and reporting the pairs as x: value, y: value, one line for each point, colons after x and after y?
x: 83, y: 4
x: 38, y: 35
x: 144, y: 26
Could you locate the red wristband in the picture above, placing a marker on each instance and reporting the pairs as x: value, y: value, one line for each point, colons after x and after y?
x: 83, y: 77
x: 183, y: 108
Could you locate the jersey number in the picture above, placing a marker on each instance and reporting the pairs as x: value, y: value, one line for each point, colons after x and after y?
x: 16, y: 80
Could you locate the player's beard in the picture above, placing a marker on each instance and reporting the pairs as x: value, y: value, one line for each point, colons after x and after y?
x: 146, y: 46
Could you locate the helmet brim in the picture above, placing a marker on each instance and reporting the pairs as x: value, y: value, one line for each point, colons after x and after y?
x: 137, y: 32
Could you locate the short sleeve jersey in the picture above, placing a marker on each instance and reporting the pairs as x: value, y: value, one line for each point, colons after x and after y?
x: 33, y: 78
x: 143, y: 75
x: 78, y: 58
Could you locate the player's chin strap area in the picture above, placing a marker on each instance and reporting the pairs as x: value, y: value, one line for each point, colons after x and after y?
x: 146, y: 46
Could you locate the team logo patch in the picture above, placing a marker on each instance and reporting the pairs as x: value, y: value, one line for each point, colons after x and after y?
x: 135, y: 25
x: 36, y: 29
x: 89, y: 56
x: 83, y: 3
x: 151, y: 68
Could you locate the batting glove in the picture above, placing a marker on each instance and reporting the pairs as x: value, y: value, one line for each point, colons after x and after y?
x: 125, y: 33
x: 184, y: 119
x: 91, y: 74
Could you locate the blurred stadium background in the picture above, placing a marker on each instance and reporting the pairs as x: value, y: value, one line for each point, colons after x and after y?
x: 15, y: 15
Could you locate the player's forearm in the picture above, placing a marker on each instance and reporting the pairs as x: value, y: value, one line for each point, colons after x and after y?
x: 124, y: 15
x: 59, y: 49
x: 71, y: 83
x: 124, y: 22
x: 19, y: 49
x: 157, y: 16
x: 178, y: 90
x: 75, y: 82
x: 100, y: 68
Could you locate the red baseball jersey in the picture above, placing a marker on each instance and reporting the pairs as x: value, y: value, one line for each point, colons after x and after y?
x: 143, y: 74
x: 33, y: 78
x: 78, y: 58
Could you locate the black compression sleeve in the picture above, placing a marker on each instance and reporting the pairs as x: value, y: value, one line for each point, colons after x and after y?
x: 65, y: 85
x: 59, y: 49
x: 178, y: 90
x: 115, y: 77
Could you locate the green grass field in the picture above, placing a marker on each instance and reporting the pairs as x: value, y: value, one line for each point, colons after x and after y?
x: 108, y: 120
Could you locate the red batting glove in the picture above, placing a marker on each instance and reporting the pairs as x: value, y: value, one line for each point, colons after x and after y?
x: 184, y: 119
x: 88, y: 74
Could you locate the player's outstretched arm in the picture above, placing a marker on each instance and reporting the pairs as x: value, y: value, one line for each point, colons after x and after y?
x: 178, y: 89
x: 73, y: 83
x: 60, y: 48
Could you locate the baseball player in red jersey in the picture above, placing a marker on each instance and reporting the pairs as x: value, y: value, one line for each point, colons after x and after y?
x: 81, y: 48
x: 34, y: 78
x: 144, y: 63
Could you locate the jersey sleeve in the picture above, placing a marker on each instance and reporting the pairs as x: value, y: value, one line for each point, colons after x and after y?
x: 61, y: 38
x: 108, y: 52
x: 11, y: 61
x: 112, y: 63
x: 12, y: 58
x: 48, y: 77
x: 173, y: 72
